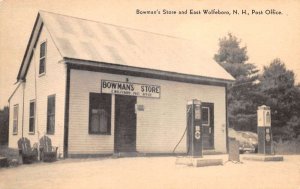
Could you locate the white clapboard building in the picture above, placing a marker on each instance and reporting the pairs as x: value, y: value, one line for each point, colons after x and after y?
x: 99, y: 89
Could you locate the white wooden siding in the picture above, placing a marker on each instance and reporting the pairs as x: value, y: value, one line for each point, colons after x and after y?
x: 52, y: 82
x: 159, y: 126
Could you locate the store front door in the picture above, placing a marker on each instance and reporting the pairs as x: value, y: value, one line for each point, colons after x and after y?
x: 208, y: 125
x: 125, y: 124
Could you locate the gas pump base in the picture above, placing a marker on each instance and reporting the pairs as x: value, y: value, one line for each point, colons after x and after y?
x: 262, y: 157
x: 198, y: 162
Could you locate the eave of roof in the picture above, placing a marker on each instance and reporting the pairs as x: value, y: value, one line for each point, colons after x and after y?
x: 143, y: 72
x: 12, y: 94
x: 31, y: 39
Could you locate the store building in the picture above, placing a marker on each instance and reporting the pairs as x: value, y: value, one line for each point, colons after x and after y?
x: 98, y: 89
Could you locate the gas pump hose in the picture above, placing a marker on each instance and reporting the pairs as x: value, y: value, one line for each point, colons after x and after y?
x: 188, y: 110
x: 180, y: 139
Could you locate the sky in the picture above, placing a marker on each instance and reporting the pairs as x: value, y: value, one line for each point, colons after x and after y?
x: 267, y: 36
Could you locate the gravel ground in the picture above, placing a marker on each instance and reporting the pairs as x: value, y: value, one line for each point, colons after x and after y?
x: 152, y: 172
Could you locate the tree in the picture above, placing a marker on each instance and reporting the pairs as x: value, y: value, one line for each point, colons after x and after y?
x: 4, y: 118
x: 243, y: 96
x: 230, y: 51
x: 280, y: 93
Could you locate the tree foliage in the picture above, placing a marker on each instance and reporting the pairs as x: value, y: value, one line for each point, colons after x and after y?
x: 275, y: 87
x: 242, y: 95
x: 277, y: 84
x: 230, y: 51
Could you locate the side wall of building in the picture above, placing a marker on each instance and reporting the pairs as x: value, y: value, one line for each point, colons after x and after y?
x: 159, y: 126
x: 37, y: 88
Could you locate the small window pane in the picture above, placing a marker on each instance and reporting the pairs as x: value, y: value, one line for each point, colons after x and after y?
x: 205, y: 115
x: 42, y: 58
x: 51, y: 105
x: 103, y: 121
x: 42, y: 66
x: 15, y: 127
x: 15, y: 119
x: 32, y: 108
x: 50, y: 125
x: 95, y: 120
x: 43, y: 50
x: 31, y: 125
x: 31, y: 117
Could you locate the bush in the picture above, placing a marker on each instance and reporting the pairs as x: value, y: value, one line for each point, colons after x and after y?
x: 11, y: 154
x: 4, y: 124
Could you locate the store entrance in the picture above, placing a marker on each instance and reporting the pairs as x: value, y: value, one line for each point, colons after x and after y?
x: 125, y: 123
x: 208, y: 125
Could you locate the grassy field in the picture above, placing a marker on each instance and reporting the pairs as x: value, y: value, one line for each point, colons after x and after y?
x: 287, y: 147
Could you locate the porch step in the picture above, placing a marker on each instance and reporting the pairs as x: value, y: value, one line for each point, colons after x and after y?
x: 261, y: 157
x: 199, y: 162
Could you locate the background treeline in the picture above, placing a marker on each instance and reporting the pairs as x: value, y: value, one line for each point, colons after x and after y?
x: 274, y: 86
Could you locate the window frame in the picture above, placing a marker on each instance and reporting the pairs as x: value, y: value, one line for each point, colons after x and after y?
x: 48, y: 131
x: 32, y: 116
x: 15, y: 119
x: 109, y: 115
x: 43, y: 58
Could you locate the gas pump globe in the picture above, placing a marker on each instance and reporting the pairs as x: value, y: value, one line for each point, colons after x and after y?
x: 194, y: 128
x: 264, y: 131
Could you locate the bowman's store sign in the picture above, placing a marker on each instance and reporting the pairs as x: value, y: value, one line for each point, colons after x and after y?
x: 131, y: 89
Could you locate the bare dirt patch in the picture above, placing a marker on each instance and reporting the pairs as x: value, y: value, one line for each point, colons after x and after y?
x: 152, y: 172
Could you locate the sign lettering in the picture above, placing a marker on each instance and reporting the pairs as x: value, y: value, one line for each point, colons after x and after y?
x: 130, y: 89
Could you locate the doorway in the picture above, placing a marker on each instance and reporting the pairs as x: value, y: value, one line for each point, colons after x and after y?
x: 207, y: 113
x: 125, y: 124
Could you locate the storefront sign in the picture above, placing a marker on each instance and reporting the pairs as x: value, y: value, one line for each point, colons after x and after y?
x: 131, y: 89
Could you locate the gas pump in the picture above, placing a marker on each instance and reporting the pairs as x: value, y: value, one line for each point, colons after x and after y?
x: 264, y: 131
x: 194, y: 127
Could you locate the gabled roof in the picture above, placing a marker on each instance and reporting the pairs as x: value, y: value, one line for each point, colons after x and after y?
x: 92, y: 41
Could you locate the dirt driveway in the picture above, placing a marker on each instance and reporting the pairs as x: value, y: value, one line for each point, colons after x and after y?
x: 152, y: 172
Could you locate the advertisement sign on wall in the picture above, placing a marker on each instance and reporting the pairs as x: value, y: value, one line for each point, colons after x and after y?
x: 130, y: 89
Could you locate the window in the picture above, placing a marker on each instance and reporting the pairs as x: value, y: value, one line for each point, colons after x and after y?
x: 205, y: 116
x: 15, y: 119
x: 31, y: 116
x: 100, y: 113
x: 51, y: 115
x: 42, y: 58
